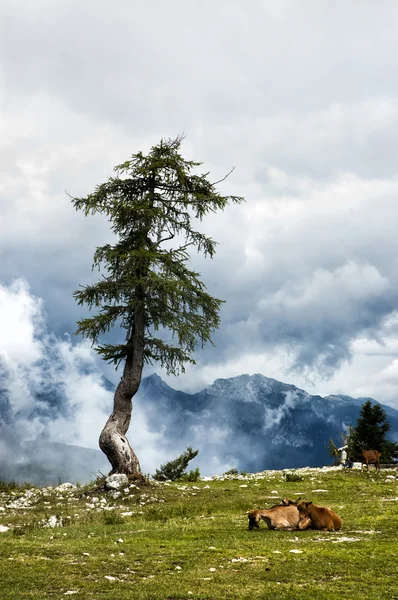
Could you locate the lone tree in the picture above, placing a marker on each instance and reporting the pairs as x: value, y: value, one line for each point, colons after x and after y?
x: 370, y: 433
x: 146, y: 287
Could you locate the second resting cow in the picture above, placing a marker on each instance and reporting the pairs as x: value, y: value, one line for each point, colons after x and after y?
x: 312, y: 516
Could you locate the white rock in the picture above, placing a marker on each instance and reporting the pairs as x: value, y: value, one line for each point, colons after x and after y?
x: 110, y: 577
x: 70, y: 592
x: 296, y: 551
x: 3, y: 528
x: 53, y: 522
x: 178, y: 568
x: 65, y: 486
x: 212, y: 569
x: 120, y: 541
x: 240, y: 559
x: 114, y: 482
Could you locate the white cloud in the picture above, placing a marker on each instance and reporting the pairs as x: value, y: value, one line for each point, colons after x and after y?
x: 54, y: 389
x: 301, y: 99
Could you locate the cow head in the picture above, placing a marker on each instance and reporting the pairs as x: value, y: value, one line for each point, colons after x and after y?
x: 303, y: 508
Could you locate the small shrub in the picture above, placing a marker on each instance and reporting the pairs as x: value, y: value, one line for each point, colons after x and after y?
x: 293, y: 477
x: 191, y: 476
x: 175, y: 468
x: 231, y: 472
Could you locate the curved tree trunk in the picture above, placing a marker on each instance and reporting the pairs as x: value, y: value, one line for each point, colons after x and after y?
x: 113, y: 441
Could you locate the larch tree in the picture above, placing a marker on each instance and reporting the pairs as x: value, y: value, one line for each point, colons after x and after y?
x: 146, y: 287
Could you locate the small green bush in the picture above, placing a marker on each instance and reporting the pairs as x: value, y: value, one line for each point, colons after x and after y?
x: 191, y: 476
x: 293, y: 477
x: 231, y: 472
x: 175, y: 469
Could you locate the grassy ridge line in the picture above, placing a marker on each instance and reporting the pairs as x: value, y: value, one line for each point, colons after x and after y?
x: 180, y: 538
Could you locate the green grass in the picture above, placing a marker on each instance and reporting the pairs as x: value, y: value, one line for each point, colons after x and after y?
x: 204, y: 533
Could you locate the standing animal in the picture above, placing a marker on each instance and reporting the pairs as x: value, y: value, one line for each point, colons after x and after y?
x: 312, y: 516
x: 370, y: 456
x: 281, y: 516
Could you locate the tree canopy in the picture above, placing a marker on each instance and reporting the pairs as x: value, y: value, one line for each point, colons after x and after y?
x: 151, y: 202
x: 370, y: 433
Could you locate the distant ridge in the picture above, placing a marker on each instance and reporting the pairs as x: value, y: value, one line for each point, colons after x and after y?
x: 248, y: 422
x: 252, y: 422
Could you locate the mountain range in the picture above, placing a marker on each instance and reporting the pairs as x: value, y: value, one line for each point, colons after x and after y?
x: 249, y: 423
x: 252, y: 422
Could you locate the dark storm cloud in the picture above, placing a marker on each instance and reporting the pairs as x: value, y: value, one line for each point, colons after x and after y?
x: 302, y: 99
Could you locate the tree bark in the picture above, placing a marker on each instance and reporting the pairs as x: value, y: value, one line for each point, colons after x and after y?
x: 113, y: 441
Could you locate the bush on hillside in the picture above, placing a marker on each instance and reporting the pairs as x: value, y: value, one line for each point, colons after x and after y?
x: 191, y: 476
x: 175, y: 469
x: 293, y: 476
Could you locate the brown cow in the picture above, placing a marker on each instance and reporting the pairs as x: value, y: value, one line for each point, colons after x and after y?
x: 281, y: 516
x: 318, y: 517
x: 370, y: 456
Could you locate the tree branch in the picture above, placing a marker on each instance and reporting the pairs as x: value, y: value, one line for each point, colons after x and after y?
x: 224, y: 178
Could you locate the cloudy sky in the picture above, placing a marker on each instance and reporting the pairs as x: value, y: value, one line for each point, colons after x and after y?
x: 300, y: 97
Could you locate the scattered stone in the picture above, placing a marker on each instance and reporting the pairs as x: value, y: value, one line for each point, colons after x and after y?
x: 239, y: 559
x: 296, y: 551
x: 320, y: 491
x: 115, y: 494
x: 53, y: 522
x: 3, y: 528
x: 212, y: 569
x: 109, y: 577
x: 64, y: 487
x: 70, y: 592
x: 114, y: 482
x: 178, y: 568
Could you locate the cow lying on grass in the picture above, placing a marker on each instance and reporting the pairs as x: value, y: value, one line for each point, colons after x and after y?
x: 281, y: 516
x: 312, y: 516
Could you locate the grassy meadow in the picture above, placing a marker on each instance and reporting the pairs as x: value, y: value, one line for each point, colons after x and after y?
x: 186, y: 540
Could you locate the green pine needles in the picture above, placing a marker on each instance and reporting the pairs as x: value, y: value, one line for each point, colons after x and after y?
x: 175, y: 469
x: 152, y: 204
